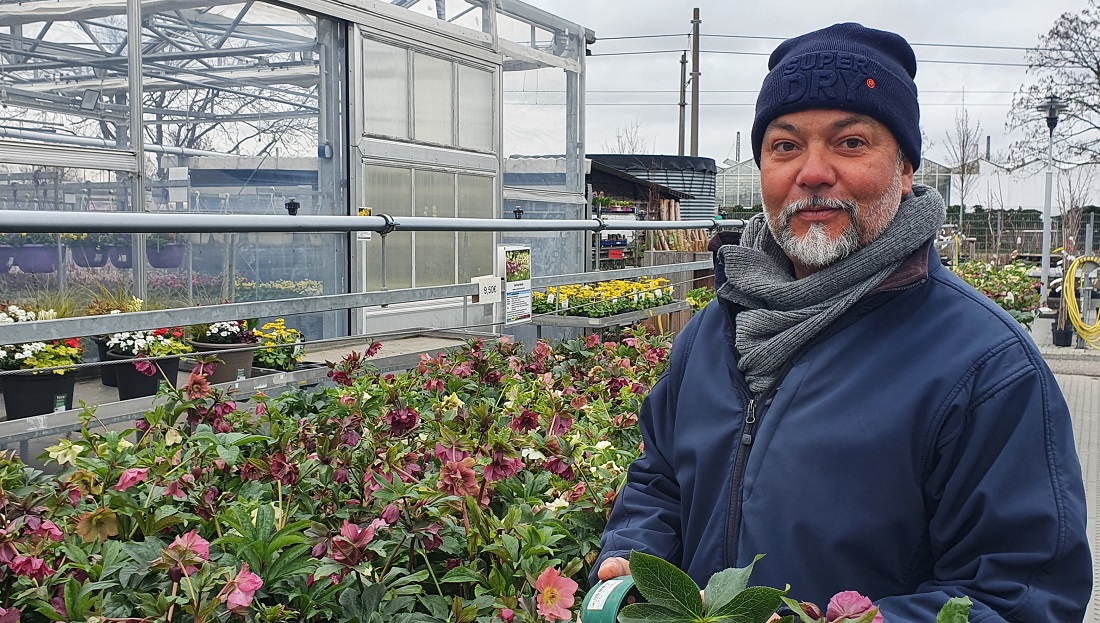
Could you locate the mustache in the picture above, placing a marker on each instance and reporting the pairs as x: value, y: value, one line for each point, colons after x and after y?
x: 816, y: 201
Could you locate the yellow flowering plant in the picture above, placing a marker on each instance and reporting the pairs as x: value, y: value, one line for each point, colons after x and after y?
x: 286, y: 342
x: 605, y: 298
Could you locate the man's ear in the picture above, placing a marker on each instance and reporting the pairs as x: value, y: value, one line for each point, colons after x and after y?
x: 906, y: 177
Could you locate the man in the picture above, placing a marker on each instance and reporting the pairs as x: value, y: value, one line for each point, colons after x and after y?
x: 847, y: 406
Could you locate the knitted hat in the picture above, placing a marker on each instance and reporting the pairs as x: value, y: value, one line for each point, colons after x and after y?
x: 845, y: 67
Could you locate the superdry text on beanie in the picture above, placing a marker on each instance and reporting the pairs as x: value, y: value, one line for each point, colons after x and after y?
x: 846, y: 67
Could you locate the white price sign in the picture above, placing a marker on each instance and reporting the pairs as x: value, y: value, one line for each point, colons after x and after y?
x: 488, y: 289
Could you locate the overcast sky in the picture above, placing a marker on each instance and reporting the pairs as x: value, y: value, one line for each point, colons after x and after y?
x: 654, y: 78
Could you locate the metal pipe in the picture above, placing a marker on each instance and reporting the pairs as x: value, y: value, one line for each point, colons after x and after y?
x: 40, y: 330
x: 695, y: 73
x: 1044, y: 288
x: 84, y: 141
x: 137, y: 137
x: 29, y: 221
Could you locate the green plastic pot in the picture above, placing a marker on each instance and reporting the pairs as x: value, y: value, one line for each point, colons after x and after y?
x: 603, y: 603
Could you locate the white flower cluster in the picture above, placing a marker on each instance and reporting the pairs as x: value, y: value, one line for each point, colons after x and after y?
x: 11, y: 356
x: 224, y: 329
x: 134, y: 342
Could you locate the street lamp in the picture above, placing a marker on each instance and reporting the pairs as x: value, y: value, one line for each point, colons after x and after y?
x: 1051, y: 108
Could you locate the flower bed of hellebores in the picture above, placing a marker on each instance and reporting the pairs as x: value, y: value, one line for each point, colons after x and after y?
x: 474, y: 487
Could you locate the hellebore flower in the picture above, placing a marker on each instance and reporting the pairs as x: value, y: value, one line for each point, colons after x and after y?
x: 525, y: 422
x: 350, y: 547
x: 458, y: 477
x: 31, y: 567
x: 849, y: 605
x: 185, y: 553
x: 9, y: 615
x: 402, y: 421
x: 242, y: 589
x: 502, y: 467
x: 555, y: 596
x: 131, y: 477
x: 286, y: 473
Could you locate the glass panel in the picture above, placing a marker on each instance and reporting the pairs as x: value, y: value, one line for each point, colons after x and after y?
x: 434, y: 83
x: 65, y: 81
x: 389, y: 191
x: 435, y: 251
x: 475, y: 108
x: 475, y: 200
x: 234, y: 123
x: 534, y: 128
x: 386, y: 89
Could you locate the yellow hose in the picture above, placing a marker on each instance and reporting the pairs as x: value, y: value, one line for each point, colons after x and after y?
x: 1090, y: 333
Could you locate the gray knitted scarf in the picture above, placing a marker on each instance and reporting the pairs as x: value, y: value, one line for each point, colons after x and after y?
x: 782, y: 314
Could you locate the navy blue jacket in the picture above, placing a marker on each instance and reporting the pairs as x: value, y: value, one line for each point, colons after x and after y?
x: 920, y: 449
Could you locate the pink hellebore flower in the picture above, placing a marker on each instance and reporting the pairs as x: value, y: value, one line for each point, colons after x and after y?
x: 242, y: 589
x: 507, y: 615
x: 44, y: 528
x: 502, y: 467
x: 9, y: 615
x: 555, y: 596
x: 459, y: 478
x: 31, y: 567
x: 131, y: 477
x: 849, y: 605
x: 188, y: 550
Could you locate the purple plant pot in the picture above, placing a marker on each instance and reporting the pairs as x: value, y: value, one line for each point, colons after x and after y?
x: 88, y: 255
x: 168, y: 256
x: 36, y: 258
x: 121, y: 257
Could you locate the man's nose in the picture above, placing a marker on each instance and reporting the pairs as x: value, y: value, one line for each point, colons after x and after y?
x: 817, y: 169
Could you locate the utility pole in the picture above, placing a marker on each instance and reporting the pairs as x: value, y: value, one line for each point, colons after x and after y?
x: 695, y: 21
x: 683, y: 99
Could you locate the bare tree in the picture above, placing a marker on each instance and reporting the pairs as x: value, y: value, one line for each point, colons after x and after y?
x: 962, y: 143
x: 629, y: 140
x: 1066, y: 63
x: 1074, y: 191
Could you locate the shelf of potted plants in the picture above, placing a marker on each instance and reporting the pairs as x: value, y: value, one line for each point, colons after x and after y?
x: 40, y: 385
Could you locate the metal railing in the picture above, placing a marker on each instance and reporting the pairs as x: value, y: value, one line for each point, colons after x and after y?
x: 16, y: 221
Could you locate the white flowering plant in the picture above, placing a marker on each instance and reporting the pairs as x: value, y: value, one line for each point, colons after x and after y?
x: 37, y: 355
x: 230, y: 332
x: 155, y: 343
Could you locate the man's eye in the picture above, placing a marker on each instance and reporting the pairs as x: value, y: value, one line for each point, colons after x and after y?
x: 853, y: 143
x: 784, y: 146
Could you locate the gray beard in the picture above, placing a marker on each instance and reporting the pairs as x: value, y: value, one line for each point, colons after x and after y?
x: 815, y: 249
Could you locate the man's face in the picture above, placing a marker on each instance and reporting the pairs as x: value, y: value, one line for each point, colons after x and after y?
x: 831, y: 183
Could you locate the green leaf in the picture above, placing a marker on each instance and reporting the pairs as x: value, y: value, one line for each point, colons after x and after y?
x: 725, y: 585
x: 229, y: 454
x: 461, y: 575
x: 793, y: 605
x: 661, y: 583
x: 647, y: 613
x: 956, y: 610
x: 753, y: 604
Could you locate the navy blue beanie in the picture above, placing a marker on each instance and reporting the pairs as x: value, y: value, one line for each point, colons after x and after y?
x: 845, y: 67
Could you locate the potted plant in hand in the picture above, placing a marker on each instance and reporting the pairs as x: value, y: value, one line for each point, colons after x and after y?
x: 164, y: 250
x: 286, y: 349
x: 145, y: 374
x: 223, y: 339
x: 37, y: 388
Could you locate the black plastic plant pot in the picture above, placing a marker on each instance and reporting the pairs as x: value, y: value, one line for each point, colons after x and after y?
x: 603, y: 603
x: 27, y: 394
x: 135, y: 384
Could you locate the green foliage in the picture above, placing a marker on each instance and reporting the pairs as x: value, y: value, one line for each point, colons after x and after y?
x: 345, y: 509
x: 699, y: 297
x: 673, y: 597
x: 1008, y: 286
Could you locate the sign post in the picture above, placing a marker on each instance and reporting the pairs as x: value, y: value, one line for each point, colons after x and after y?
x: 515, y: 261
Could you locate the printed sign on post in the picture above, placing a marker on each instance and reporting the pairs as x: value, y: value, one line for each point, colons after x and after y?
x: 516, y: 262
x: 364, y: 235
